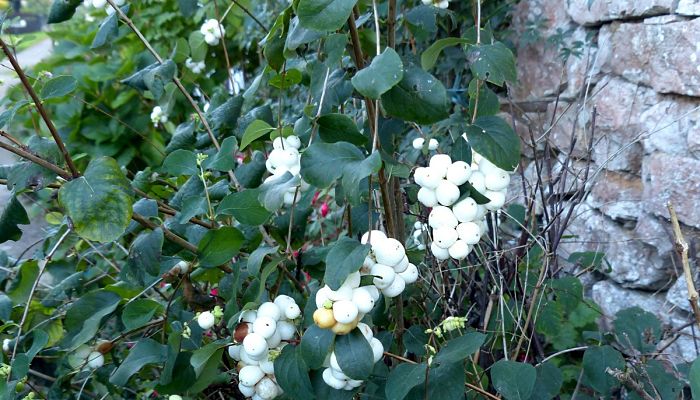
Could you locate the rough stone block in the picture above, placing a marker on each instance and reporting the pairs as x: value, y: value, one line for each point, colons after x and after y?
x: 671, y: 126
x: 601, y: 11
x: 672, y: 178
x: 617, y: 195
x: 688, y: 7
x: 664, y: 57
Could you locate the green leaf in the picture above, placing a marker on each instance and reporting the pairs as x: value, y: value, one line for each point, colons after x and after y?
x: 257, y: 257
x: 99, y: 202
x: 494, y: 139
x: 109, y: 28
x: 354, y: 355
x: 596, y: 360
x: 488, y: 103
x: 254, y: 131
x: 153, y: 77
x: 201, y: 356
x: 446, y: 381
x: 13, y: 215
x: 430, y: 55
x: 286, y: 79
x: 5, y: 307
x: 20, y: 365
x: 208, y: 371
x: 146, y: 351
x: 292, y: 374
x: 269, y: 268
x: 419, y: 97
x: 58, y: 86
x: 638, y: 329
x: 224, y: 159
x: 144, y: 254
x: 137, y: 313
x: 62, y: 10
x: 217, y: 247
x: 339, y: 128
x: 694, y: 378
x: 494, y: 63
x: 402, y: 379
x: 84, y: 316
x: 324, y: 15
x: 315, y: 345
x: 345, y: 257
x: 548, y: 383
x: 26, y: 173
x: 323, y: 163
x: 460, y: 348
x: 514, y: 380
x: 461, y: 151
x: 181, y: 162
x: 245, y: 207
x: 385, y: 71
x: 272, y: 192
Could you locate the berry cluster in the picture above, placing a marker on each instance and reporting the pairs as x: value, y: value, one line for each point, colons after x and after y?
x: 458, y: 223
x: 333, y: 375
x: 103, y: 4
x: 418, y: 144
x: 258, y: 339
x: 341, y: 310
x: 196, y: 67
x: 212, y: 31
x: 284, y: 158
x: 158, y: 116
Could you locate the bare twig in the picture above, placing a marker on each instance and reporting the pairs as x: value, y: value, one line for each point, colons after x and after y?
x: 682, y: 250
x: 245, y: 10
x: 37, y: 160
x: 40, y: 107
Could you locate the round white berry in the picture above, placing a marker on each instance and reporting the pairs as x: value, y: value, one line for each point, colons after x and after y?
x: 459, y: 250
x: 439, y: 253
x: 254, y: 345
x: 363, y: 300
x: 469, y: 232
x: 497, y: 180
x: 246, y: 391
x: 377, y: 349
x: 345, y: 311
x: 265, y: 326
x: 95, y: 360
x: 293, y: 141
x: 234, y: 351
x: 477, y: 181
x: 286, y: 330
x: 373, y: 291
x: 269, y: 309
x: 6, y: 345
x: 366, y: 330
x: 248, y: 316
x: 266, y: 389
x: 182, y: 266
x: 396, y: 288
x: 427, y: 197
x: 206, y: 320
x: 498, y: 199
x: 427, y: 177
x: 444, y: 237
x: 247, y: 359
x: 331, y: 380
x: 250, y: 375
x: 282, y: 300
x: 440, y: 163
x: 433, y: 144
x: 410, y: 275
x: 384, y: 275
x: 274, y: 340
x: 458, y: 173
x: 442, y: 216
x: 389, y: 252
x: 401, y: 266
x: 267, y: 366
x: 323, y: 296
x: 291, y: 311
x: 465, y: 210
x: 447, y: 193
x: 374, y: 238
x: 487, y: 167
x: 344, y: 292
x: 418, y: 143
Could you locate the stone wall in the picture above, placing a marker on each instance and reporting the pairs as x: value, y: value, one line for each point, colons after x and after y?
x: 637, y: 62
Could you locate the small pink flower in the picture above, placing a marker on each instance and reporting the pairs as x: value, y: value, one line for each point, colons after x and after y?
x: 207, y: 333
x: 324, y: 209
x: 214, y: 292
x: 240, y: 158
x: 313, y: 201
x: 296, y: 254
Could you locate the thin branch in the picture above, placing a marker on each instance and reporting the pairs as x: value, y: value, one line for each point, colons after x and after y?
x: 42, y: 268
x: 143, y: 221
x: 245, y: 10
x: 176, y: 80
x: 40, y: 107
x: 37, y: 160
x: 682, y: 250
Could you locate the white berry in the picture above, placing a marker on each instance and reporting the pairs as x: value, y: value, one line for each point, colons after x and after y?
x: 206, y: 320
x: 410, y: 275
x: 465, y: 210
x: 245, y: 390
x: 418, y: 143
x: 427, y: 197
x: 445, y: 237
x: 477, y: 181
x: 458, y: 173
x: 269, y: 309
x: 266, y: 389
x: 389, y: 252
x: 440, y: 163
x: 433, y: 145
x: 250, y: 375
x: 459, y: 250
x: 254, y: 345
x: 345, y: 311
x: 439, y: 253
x: 95, y: 360
x: 362, y: 298
x: 447, y: 193
x: 265, y: 326
x: 384, y: 275
x: 377, y: 349
x: 395, y: 289
x: 470, y: 232
x: 374, y: 238
x: 442, y: 216
x: 498, y: 199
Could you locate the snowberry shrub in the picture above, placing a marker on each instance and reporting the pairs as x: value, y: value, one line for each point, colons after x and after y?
x: 279, y: 200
